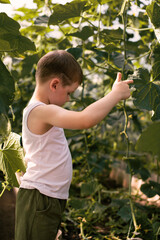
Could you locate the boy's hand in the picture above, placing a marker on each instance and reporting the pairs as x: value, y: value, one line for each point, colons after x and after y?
x: 122, y: 87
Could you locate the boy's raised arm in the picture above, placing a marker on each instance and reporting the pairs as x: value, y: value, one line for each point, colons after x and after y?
x: 91, y: 115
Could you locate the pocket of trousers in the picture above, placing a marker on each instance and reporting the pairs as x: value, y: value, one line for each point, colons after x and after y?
x: 47, y: 220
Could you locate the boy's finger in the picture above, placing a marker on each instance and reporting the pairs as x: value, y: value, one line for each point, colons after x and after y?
x: 128, y: 81
x: 119, y: 76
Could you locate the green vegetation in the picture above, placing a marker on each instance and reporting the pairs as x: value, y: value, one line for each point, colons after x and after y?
x: 105, y: 37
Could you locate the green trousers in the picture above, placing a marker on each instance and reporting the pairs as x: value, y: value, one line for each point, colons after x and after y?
x: 38, y: 217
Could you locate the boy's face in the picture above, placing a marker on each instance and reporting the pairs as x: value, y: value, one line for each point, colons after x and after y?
x: 62, y: 93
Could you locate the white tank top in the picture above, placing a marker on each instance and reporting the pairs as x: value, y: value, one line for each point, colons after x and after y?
x: 49, y: 162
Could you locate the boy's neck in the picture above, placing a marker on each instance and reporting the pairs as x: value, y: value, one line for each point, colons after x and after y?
x: 39, y: 96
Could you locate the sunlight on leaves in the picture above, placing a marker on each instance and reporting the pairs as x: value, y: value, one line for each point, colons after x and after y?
x: 11, y: 158
x: 147, y: 94
x: 153, y: 11
x: 64, y: 12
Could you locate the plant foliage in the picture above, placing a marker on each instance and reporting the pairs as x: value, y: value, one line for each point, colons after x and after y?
x: 105, y: 37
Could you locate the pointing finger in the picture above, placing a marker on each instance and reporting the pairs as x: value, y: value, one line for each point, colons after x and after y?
x: 128, y: 81
x: 119, y: 76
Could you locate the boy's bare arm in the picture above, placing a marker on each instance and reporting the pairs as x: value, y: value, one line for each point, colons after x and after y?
x: 91, y: 115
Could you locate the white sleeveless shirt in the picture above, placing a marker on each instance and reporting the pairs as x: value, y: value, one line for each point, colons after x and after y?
x: 49, y: 162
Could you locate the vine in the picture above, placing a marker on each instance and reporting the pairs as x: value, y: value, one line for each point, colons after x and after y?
x: 123, y: 14
x: 87, y: 30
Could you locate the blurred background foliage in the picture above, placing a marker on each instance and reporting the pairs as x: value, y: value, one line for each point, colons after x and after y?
x: 105, y: 37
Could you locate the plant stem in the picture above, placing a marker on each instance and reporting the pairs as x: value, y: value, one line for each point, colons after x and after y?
x: 129, y: 230
x: 157, y: 234
x: 99, y: 26
x: 124, y: 20
x: 139, y: 29
x: 4, y: 188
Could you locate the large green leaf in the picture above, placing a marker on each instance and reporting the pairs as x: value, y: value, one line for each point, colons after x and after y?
x: 7, y: 88
x: 10, y: 38
x: 84, y: 34
x: 153, y: 11
x: 16, y: 43
x: 25, y: 44
x: 151, y: 189
x: 8, y: 25
x: 28, y: 63
x: 11, y: 158
x: 136, y: 167
x: 147, y: 93
x: 150, y: 139
x: 64, y: 12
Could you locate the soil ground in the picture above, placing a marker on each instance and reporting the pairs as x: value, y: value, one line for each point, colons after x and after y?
x: 7, y: 215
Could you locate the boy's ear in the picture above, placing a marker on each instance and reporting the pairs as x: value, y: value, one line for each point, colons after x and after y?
x: 54, y: 83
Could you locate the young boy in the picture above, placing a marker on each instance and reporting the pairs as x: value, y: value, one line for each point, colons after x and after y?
x: 45, y: 185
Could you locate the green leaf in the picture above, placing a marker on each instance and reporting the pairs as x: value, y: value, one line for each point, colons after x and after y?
x: 111, y: 47
x: 17, y: 43
x: 25, y: 44
x: 67, y: 11
x: 78, y: 203
x: 144, y: 173
x: 153, y: 11
x: 150, y: 139
x: 125, y: 213
x: 84, y: 34
x: 151, y: 189
x: 118, y: 60
x: 4, y: 1
x: 136, y: 167
x: 111, y: 35
x: 5, y: 127
x: 147, y: 190
x: 7, y: 88
x: 8, y: 25
x: 11, y: 158
x: 147, y: 94
x: 27, y: 64
x: 4, y: 46
x: 64, y: 44
x: 89, y: 188
x: 76, y: 52
x: 155, y: 57
x: 10, y: 37
x: 98, y: 209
